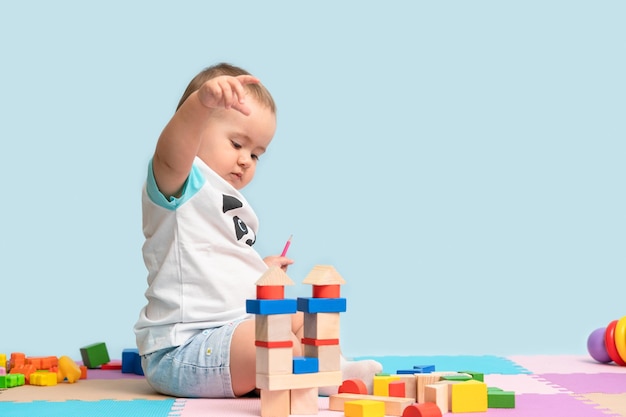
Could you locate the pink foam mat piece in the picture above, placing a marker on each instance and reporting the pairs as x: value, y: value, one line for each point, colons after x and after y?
x: 523, y: 384
x: 527, y: 405
x: 587, y: 383
x: 565, y: 364
x: 110, y: 374
x: 238, y: 407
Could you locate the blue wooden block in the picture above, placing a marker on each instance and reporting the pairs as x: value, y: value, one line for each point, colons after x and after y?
x: 406, y: 372
x: 424, y: 369
x: 305, y: 365
x: 321, y: 305
x: 266, y: 307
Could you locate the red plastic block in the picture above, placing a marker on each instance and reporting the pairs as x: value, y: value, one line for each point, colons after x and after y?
x: 114, y: 365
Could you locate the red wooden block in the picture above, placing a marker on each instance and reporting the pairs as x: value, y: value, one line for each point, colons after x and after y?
x: 278, y: 344
x: 270, y: 292
x: 397, y: 389
x: 319, y: 342
x: 353, y: 386
x: 326, y: 291
x: 422, y: 410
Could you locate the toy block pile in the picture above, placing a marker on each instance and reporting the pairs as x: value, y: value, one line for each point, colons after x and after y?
x: 290, y: 385
x: 20, y: 369
x: 420, y: 392
x: 43, y: 371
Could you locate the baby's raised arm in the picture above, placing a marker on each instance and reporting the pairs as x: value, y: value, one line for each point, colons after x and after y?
x: 180, y: 140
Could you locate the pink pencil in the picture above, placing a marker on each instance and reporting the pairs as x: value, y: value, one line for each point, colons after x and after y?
x: 286, y: 248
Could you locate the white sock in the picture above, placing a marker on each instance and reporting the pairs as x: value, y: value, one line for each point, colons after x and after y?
x: 363, y: 370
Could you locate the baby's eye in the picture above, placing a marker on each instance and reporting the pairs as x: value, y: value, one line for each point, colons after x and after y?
x: 236, y: 145
x: 255, y: 157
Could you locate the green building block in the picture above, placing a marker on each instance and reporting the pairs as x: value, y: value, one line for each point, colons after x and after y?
x: 496, y: 398
x: 457, y: 377
x: 11, y: 380
x: 477, y: 376
x: 95, y: 355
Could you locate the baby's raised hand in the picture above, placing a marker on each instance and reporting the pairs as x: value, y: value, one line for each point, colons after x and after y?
x: 227, y: 92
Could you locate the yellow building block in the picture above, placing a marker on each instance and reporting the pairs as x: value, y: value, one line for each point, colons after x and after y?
x: 3, y: 360
x: 364, y: 408
x: 381, y: 384
x: 468, y: 397
x: 44, y: 379
x: 68, y: 369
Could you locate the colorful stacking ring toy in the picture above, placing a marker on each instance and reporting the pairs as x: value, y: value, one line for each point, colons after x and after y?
x: 609, y: 344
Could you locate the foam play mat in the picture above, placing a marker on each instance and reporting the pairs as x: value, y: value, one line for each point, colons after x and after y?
x: 544, y: 386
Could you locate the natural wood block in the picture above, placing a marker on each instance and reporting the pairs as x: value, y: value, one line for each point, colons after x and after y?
x: 438, y: 394
x: 321, y: 325
x: 328, y: 356
x: 272, y: 327
x: 274, y: 360
x: 297, y: 381
x: 275, y: 403
x: 410, y: 385
x: 304, y: 401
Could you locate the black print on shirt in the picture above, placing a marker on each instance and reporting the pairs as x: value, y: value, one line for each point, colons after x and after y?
x: 241, y: 229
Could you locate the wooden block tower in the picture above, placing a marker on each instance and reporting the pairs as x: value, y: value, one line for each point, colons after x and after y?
x: 289, y: 385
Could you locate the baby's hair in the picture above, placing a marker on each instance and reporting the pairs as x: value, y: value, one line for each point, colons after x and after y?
x: 258, y: 90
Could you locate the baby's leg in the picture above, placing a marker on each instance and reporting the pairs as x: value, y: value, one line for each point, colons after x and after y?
x: 243, y: 354
x: 243, y: 359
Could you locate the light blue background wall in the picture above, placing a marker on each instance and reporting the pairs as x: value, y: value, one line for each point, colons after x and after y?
x: 461, y: 163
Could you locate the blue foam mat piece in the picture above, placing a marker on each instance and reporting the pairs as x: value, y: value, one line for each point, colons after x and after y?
x: 486, y: 364
x: 102, y: 408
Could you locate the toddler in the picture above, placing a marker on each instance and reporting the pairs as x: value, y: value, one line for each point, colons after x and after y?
x: 194, y: 335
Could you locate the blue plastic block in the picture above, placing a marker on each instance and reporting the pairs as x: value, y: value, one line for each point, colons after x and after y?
x: 131, y: 362
x: 266, y: 307
x: 305, y: 365
x: 321, y: 305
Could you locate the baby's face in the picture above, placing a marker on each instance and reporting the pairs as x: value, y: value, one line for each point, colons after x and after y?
x: 232, y: 142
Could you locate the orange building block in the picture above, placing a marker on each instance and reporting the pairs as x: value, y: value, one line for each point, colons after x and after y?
x: 25, y: 370
x: 17, y: 359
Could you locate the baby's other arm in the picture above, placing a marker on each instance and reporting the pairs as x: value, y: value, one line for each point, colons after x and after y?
x: 275, y: 260
x: 180, y: 140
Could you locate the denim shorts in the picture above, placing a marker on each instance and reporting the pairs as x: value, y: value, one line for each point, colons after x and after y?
x: 200, y: 368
